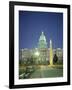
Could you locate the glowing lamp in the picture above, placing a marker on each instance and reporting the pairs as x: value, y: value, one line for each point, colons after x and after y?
x: 36, y: 53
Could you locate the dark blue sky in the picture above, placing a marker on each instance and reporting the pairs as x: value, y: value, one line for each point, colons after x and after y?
x: 31, y: 24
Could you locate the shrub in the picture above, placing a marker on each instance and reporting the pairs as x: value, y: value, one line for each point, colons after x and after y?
x: 55, y: 59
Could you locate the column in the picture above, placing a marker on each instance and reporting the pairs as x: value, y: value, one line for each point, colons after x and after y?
x: 51, y: 53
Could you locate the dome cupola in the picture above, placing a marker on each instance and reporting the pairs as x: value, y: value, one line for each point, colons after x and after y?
x: 42, y: 41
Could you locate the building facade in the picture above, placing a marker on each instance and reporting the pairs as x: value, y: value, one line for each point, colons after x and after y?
x: 43, y: 54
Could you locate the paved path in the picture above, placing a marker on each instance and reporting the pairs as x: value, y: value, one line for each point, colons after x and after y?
x: 45, y: 71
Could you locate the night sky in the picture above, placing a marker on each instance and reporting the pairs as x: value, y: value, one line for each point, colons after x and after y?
x: 31, y: 24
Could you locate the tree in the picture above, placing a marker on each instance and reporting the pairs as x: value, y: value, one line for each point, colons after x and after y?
x: 55, y: 59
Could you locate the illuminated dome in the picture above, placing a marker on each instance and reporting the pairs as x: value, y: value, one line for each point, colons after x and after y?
x: 42, y: 41
x: 42, y: 37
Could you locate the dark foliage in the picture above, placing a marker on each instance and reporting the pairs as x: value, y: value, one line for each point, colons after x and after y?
x: 55, y: 59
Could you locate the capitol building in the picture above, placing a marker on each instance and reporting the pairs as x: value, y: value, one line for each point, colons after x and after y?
x: 42, y: 53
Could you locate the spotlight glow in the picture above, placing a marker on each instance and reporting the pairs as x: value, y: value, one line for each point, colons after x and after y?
x: 36, y: 53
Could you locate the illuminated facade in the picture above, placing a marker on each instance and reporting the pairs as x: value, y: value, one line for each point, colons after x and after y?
x: 42, y: 52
